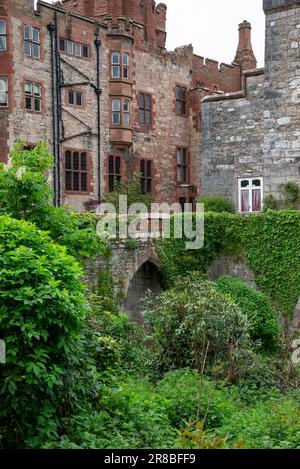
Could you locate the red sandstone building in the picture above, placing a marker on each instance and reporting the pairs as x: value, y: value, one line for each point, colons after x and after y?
x: 93, y: 78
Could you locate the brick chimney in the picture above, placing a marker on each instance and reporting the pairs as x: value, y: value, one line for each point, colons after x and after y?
x: 244, y: 54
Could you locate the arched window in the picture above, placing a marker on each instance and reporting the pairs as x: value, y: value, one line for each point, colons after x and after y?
x: 76, y: 174
x: 3, y: 92
x: 3, y: 36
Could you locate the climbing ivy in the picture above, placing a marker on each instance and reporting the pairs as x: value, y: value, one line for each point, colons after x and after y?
x: 269, y: 243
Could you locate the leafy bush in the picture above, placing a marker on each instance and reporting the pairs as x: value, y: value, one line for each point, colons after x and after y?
x: 191, y: 317
x: 42, y: 306
x: 264, y: 326
x: 289, y: 198
x: 216, y: 203
x: 132, y: 189
x: 26, y: 194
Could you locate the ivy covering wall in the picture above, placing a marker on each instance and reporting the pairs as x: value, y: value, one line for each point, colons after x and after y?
x: 269, y: 243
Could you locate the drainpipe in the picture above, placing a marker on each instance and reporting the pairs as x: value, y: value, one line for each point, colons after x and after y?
x: 98, y: 92
x: 58, y: 108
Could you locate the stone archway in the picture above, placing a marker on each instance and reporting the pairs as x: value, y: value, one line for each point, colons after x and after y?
x: 148, y: 277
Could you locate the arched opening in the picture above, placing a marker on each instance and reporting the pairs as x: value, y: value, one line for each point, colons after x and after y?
x: 146, y: 278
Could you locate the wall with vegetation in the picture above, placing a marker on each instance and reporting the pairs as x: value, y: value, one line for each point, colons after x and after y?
x: 269, y: 243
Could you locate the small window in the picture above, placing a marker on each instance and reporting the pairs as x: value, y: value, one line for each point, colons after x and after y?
x: 145, y: 110
x: 182, y: 166
x: 32, y: 46
x: 76, y: 175
x: 114, y: 172
x: 181, y: 101
x: 75, y: 98
x: 33, y: 96
x: 3, y: 36
x: 250, y: 195
x: 73, y: 48
x: 146, y: 176
x: 120, y: 111
x: 3, y: 92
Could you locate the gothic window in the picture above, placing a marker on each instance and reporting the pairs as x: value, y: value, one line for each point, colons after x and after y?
x: 76, y: 171
x: 3, y: 92
x: 114, y: 172
x: 3, y: 36
x: 146, y: 176
x: 32, y: 47
x: 250, y: 195
x: 181, y: 101
x: 33, y: 96
x: 182, y: 166
x: 145, y: 110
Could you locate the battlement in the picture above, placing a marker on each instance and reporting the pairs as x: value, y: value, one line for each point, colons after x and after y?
x: 277, y: 5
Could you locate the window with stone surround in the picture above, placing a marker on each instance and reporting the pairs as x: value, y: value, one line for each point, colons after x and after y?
x: 250, y: 194
x: 120, y: 65
x: 76, y: 171
x: 76, y: 49
x: 181, y: 100
x: 146, y: 176
x: 3, y: 92
x: 145, y: 110
x: 114, y: 172
x: 182, y: 165
x: 33, y: 96
x: 75, y: 98
x: 32, y: 46
x: 3, y: 36
x: 120, y: 109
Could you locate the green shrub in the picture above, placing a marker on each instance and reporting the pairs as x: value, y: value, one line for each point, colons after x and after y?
x: 216, y: 203
x: 26, y: 194
x: 191, y: 316
x: 264, y: 326
x: 42, y: 306
x: 132, y: 189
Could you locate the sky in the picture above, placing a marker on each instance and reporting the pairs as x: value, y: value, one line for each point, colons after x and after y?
x: 212, y: 26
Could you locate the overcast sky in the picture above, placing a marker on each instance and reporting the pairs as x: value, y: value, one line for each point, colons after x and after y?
x: 212, y: 26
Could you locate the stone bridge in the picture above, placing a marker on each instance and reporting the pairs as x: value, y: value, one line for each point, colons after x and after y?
x: 135, y: 269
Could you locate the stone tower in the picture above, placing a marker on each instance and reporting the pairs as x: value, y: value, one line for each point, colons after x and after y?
x: 282, y: 93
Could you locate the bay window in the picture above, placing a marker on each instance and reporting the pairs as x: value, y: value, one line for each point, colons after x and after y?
x: 3, y: 36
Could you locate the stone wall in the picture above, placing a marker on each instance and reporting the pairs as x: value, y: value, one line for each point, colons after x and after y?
x: 232, y: 138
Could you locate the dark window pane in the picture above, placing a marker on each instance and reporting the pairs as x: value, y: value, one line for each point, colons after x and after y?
x: 78, y: 99
x: 76, y: 161
x: 84, y: 182
x: 148, y: 117
x: 149, y: 169
x: 68, y: 160
x: 27, y: 48
x: 83, y: 162
x: 149, y: 186
x: 68, y: 180
x: 62, y: 44
x: 143, y: 185
x: 71, y: 97
x: 85, y: 52
x: 2, y: 43
x: 35, y: 51
x: 111, y: 183
x: 111, y: 165
x: 143, y: 169
x: 76, y: 182
x: 142, y: 116
x: 141, y: 101
x: 125, y: 72
x: 148, y: 102
x: 28, y: 104
x: 118, y: 165
x: 37, y: 105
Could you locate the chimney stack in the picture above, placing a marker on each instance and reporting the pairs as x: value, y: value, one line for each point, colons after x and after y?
x: 244, y: 54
